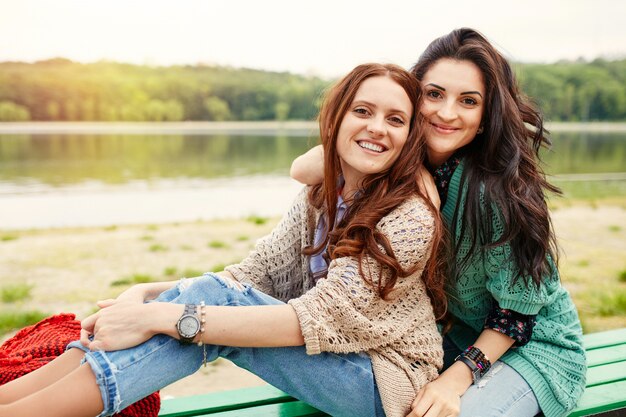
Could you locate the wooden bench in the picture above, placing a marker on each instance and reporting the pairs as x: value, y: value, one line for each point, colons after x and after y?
x: 605, y: 394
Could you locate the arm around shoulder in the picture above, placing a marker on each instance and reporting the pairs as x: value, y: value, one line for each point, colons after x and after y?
x: 308, y: 168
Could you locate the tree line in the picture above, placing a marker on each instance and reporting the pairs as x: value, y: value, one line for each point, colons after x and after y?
x: 59, y: 89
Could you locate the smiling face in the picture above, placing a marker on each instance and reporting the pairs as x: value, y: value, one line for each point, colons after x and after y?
x: 374, y: 130
x: 454, y: 94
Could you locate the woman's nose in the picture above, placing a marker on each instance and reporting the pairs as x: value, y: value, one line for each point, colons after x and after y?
x: 376, y: 127
x: 447, y: 110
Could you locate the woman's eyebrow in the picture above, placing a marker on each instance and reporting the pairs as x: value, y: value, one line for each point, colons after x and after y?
x: 437, y: 86
x: 464, y: 92
x: 374, y: 105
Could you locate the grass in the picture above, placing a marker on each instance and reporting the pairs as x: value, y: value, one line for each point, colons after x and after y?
x: 615, y: 228
x: 15, y: 292
x: 242, y: 238
x: 111, y: 228
x: 218, y: 267
x: 611, y: 304
x: 190, y: 273
x: 12, y: 320
x: 622, y: 276
x: 217, y: 244
x: 8, y: 238
x: 170, y: 271
x: 157, y: 247
x: 133, y: 279
x: 257, y: 220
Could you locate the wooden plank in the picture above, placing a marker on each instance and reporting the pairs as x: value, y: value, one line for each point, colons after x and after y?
x: 605, y: 374
x: 601, y: 398
x: 606, y: 355
x: 604, y: 339
x: 222, y: 401
x: 291, y: 409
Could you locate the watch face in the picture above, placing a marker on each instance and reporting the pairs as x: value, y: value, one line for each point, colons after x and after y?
x: 188, y: 326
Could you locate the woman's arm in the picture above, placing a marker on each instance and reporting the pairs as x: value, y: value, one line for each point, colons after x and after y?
x: 443, y: 395
x: 128, y: 324
x: 308, y: 168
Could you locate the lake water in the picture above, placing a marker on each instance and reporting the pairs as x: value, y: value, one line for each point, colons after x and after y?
x: 59, y: 180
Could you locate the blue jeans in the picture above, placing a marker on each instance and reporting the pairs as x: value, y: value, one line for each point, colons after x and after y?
x: 501, y: 392
x: 340, y: 385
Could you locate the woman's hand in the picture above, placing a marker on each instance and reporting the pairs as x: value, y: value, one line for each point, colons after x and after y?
x: 125, y: 324
x: 139, y: 293
x: 426, y: 184
x: 442, y: 397
x: 135, y: 294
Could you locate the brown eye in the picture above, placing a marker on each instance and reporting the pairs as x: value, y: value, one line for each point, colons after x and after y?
x: 469, y: 101
x: 395, y: 120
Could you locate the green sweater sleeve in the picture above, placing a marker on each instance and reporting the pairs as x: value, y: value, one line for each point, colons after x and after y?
x: 511, y: 290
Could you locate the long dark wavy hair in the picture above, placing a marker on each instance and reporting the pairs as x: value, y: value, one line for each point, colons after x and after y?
x: 356, y: 234
x: 504, y: 159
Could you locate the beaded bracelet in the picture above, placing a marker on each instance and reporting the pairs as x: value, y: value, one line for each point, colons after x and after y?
x: 202, y: 322
x: 478, y: 357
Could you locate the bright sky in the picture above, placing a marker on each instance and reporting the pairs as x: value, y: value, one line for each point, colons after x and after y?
x: 321, y: 37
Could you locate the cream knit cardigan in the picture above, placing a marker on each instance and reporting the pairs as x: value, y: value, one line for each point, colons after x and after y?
x: 342, y: 313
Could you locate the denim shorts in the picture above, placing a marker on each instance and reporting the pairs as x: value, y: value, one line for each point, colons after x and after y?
x: 338, y: 384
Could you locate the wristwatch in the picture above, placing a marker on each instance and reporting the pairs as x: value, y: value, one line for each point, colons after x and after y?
x: 188, y: 324
x: 475, y: 370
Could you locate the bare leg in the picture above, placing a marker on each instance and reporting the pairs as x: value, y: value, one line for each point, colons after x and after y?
x: 75, y: 395
x: 42, y: 377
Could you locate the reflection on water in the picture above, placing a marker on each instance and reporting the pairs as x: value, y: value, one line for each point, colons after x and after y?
x: 80, y: 180
x: 61, y: 160
x: 586, y: 153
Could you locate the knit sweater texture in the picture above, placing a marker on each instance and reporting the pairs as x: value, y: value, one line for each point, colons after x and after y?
x: 342, y: 313
x: 553, y: 362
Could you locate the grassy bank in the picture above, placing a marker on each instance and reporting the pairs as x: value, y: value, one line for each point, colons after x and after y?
x: 66, y: 270
x: 50, y: 271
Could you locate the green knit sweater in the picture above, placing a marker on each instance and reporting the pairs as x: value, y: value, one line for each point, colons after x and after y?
x: 553, y: 362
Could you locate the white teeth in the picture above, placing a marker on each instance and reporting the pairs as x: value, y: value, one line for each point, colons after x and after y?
x: 371, y: 146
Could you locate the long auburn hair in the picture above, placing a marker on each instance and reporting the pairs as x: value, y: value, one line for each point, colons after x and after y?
x: 504, y: 159
x: 356, y: 234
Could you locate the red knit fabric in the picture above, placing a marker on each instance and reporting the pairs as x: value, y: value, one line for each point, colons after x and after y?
x: 36, y: 345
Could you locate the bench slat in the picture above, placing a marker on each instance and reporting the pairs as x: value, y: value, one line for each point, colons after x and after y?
x: 604, y: 374
x: 222, y: 401
x: 604, y: 339
x: 291, y: 409
x: 606, y: 385
x: 603, y: 356
x: 601, y: 398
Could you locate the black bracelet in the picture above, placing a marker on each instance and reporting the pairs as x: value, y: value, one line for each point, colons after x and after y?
x: 472, y: 366
x: 478, y: 357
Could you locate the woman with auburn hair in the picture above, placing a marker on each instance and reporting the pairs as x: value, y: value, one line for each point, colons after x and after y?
x: 515, y: 344
x: 332, y: 307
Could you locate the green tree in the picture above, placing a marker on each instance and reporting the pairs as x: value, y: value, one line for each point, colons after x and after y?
x: 11, y: 112
x: 217, y: 109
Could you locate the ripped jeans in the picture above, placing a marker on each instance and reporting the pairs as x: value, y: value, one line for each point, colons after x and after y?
x: 340, y: 385
x: 501, y: 392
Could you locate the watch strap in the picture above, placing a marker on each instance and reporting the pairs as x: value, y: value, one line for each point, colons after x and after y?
x: 473, y: 368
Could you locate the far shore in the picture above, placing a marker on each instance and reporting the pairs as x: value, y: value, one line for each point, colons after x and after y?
x: 269, y: 128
